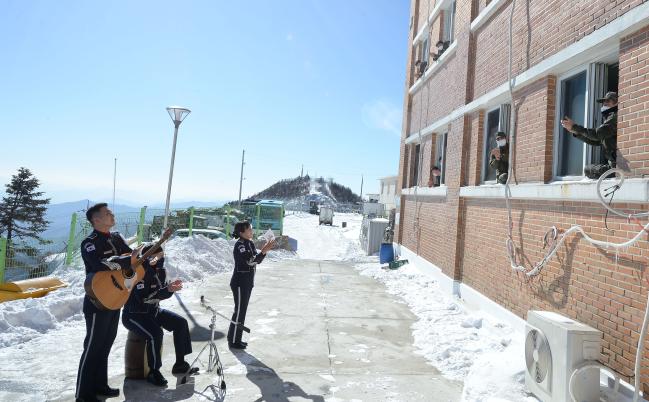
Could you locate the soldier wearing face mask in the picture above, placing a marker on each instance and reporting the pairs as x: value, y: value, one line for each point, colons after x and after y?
x: 499, y: 157
x: 604, y: 136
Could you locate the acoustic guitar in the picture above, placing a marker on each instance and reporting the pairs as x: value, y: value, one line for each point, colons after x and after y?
x: 109, y: 290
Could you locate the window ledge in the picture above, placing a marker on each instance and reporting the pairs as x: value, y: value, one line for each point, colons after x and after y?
x: 633, y: 191
x: 486, y: 14
x: 439, y: 191
x: 442, y: 5
x: 433, y: 67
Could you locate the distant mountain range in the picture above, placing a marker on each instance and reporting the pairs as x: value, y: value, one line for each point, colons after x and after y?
x: 60, y: 215
x: 295, y: 192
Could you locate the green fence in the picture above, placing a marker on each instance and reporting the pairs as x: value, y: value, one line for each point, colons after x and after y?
x: 24, y: 259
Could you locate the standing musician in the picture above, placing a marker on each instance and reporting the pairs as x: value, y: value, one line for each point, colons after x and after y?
x: 101, y: 325
x: 243, y: 278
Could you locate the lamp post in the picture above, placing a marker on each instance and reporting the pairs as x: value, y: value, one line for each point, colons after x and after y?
x: 177, y: 115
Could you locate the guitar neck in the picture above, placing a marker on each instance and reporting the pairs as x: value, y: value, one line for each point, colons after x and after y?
x: 152, y: 250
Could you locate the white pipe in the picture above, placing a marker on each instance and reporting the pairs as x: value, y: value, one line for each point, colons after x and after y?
x: 639, y: 353
x: 511, y: 249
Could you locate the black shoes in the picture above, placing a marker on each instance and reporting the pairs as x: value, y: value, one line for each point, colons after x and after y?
x: 87, y: 399
x: 108, y: 391
x: 237, y: 345
x: 155, y: 377
x: 180, y: 368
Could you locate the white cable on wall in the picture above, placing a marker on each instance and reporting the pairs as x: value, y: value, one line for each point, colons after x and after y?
x: 554, y: 244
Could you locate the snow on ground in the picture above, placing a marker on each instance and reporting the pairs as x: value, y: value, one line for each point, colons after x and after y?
x: 464, y: 345
x: 323, y: 242
x: 41, y: 338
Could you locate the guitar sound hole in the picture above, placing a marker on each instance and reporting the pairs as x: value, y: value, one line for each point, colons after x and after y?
x: 128, y: 273
x: 115, y: 283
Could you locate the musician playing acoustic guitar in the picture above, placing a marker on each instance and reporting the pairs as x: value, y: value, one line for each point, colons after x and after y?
x: 101, y: 324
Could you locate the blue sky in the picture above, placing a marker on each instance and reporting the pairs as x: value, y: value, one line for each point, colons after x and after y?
x: 293, y: 82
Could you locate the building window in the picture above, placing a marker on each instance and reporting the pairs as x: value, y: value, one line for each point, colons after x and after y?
x: 424, y: 52
x: 449, y: 24
x: 497, y: 120
x: 415, y: 173
x: 577, y: 100
x: 440, y: 158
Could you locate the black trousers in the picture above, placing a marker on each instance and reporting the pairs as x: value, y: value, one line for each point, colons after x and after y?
x: 101, y: 329
x: 149, y: 326
x: 241, y: 298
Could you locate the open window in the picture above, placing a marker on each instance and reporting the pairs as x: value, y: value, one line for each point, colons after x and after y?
x: 439, y: 160
x: 448, y: 34
x: 577, y: 94
x: 496, y: 120
x: 415, y: 167
x: 424, y: 53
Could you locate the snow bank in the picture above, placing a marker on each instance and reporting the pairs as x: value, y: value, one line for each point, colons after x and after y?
x: 190, y: 259
x: 26, y: 319
x: 322, y: 242
x: 465, y: 346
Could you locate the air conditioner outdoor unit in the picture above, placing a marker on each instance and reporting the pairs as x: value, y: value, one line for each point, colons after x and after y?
x: 554, y: 347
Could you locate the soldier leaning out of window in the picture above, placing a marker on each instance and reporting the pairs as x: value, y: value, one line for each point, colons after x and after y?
x: 499, y: 157
x: 604, y: 136
x: 434, y: 179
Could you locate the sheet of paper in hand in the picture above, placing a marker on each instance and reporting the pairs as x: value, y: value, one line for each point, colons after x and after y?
x: 268, y: 236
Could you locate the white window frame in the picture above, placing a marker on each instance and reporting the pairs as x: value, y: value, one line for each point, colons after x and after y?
x: 591, y: 112
x: 416, y: 168
x: 558, y: 129
x: 449, y: 23
x: 485, y: 150
x: 442, y: 167
x: 504, y: 115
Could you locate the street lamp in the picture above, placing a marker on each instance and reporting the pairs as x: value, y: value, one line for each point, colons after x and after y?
x: 177, y: 115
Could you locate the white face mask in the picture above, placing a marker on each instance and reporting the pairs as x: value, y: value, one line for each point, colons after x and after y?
x: 501, y: 143
x: 605, y: 108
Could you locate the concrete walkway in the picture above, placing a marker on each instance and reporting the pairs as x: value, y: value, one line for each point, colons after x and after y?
x: 320, y: 332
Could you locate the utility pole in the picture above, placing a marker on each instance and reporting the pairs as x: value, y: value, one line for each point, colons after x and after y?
x: 243, y: 156
x: 302, y: 171
x: 114, y: 182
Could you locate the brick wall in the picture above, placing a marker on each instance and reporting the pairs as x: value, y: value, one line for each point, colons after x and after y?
x: 535, y: 121
x: 582, y: 282
x: 633, y: 118
x: 541, y: 29
x: 465, y: 237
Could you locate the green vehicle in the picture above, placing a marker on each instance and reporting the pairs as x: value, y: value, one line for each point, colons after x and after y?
x: 264, y: 215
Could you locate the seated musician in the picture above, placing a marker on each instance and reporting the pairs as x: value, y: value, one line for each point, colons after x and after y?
x: 143, y: 316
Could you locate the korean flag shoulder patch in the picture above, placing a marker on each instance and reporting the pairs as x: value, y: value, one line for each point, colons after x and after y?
x: 90, y: 247
x: 140, y: 285
x: 242, y: 248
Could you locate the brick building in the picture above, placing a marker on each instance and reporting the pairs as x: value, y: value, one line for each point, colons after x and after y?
x: 565, y: 54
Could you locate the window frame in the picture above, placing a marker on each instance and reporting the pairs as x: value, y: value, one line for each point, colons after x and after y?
x: 485, y: 145
x: 442, y: 167
x: 558, y: 129
x: 504, y: 111
x: 448, y: 33
x: 416, y: 167
x: 592, y: 118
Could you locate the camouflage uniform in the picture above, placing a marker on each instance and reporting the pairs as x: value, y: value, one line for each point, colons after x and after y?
x: 501, y: 165
x: 604, y: 136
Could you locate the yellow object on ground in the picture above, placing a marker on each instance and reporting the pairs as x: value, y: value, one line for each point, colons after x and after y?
x: 37, y: 287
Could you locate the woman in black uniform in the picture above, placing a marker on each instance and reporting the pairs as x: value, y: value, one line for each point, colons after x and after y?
x: 243, y: 278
